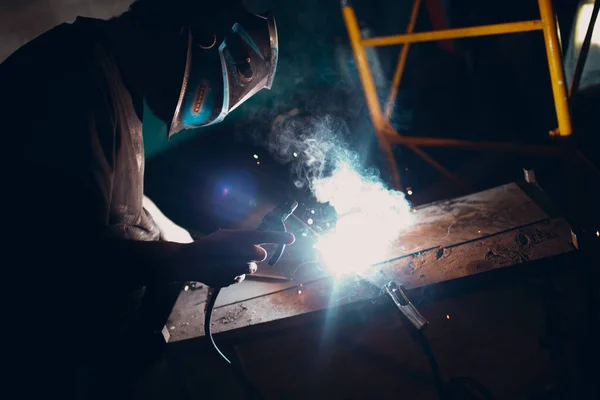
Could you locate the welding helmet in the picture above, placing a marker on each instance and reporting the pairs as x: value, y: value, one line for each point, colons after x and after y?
x: 224, y: 69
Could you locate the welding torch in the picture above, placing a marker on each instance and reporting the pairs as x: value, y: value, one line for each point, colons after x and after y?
x: 273, y: 221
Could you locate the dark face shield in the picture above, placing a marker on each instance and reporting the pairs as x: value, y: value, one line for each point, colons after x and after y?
x: 220, y: 76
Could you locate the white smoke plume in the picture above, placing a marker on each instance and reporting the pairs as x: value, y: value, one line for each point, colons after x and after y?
x: 313, y: 145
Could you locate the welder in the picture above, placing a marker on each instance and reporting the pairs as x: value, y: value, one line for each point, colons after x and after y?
x: 82, y: 246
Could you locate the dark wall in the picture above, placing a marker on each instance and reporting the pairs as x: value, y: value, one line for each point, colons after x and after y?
x: 489, y: 88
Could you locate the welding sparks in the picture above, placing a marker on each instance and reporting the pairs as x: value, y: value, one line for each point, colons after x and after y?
x: 370, y: 219
x: 369, y: 216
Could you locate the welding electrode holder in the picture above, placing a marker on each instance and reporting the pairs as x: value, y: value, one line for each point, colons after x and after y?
x: 407, y: 308
x: 275, y: 221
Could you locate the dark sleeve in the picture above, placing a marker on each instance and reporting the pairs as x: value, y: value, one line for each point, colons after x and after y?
x: 75, y: 161
x: 60, y: 164
x: 67, y: 281
x: 59, y: 124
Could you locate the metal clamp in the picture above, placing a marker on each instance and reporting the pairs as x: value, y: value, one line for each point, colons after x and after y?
x: 405, y: 306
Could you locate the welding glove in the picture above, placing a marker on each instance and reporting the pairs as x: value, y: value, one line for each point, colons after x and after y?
x: 224, y: 257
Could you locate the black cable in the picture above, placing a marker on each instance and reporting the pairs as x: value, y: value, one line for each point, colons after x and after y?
x: 207, y: 317
x: 433, y: 365
x: 252, y: 390
x: 460, y: 388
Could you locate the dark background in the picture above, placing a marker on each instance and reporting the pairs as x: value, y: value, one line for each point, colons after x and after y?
x: 489, y: 88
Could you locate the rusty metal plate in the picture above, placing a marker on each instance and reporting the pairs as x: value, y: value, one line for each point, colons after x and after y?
x: 493, y: 229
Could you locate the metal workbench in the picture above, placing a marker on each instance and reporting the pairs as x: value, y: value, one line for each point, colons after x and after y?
x: 503, y: 228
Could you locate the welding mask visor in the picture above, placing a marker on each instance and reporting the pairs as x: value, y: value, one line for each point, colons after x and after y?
x: 221, y: 75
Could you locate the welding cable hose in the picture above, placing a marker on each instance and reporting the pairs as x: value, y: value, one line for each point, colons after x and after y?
x: 253, y: 392
x: 457, y: 388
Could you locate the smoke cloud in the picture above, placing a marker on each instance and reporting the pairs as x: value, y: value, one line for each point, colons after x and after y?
x: 370, y: 216
x: 313, y: 145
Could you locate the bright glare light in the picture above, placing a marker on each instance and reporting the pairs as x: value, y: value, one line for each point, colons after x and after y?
x: 583, y: 20
x: 256, y: 156
x: 370, y: 219
x: 310, y: 221
x: 295, y: 154
x: 409, y: 192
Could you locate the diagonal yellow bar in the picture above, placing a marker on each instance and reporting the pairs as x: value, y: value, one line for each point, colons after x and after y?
x: 370, y: 90
x: 389, y: 107
x: 457, y: 33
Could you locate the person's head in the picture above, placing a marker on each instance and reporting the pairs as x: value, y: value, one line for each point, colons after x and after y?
x: 208, y: 58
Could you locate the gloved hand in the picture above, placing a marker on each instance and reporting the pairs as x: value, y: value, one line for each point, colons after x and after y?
x: 224, y: 257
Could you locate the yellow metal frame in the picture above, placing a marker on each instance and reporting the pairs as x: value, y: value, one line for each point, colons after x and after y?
x: 387, y: 135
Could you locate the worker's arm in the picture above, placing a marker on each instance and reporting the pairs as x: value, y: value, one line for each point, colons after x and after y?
x: 215, y: 260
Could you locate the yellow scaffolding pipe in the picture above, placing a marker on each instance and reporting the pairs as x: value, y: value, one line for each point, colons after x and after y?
x: 366, y: 78
x: 457, y: 33
x: 394, y: 137
x: 389, y: 106
x: 557, y: 75
x: 546, y: 23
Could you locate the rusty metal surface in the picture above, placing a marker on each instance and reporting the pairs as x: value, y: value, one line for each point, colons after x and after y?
x: 494, y: 229
x: 470, y: 217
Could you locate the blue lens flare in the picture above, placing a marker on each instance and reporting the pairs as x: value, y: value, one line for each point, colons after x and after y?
x: 234, y: 195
